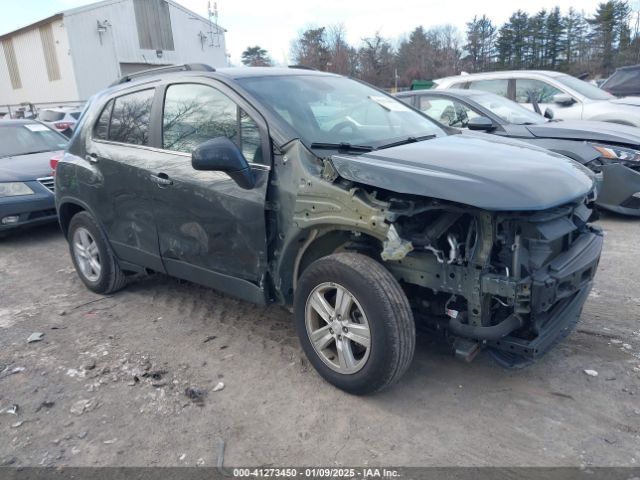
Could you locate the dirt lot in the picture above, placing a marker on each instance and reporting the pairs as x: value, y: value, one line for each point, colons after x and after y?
x: 106, y: 385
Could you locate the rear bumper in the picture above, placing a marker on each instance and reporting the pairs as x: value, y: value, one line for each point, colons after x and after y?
x: 558, y: 293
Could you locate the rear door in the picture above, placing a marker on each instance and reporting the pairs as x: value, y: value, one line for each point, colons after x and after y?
x: 121, y: 157
x: 210, y: 230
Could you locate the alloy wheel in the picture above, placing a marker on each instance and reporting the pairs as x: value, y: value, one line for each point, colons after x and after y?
x: 338, y: 328
x: 87, y: 255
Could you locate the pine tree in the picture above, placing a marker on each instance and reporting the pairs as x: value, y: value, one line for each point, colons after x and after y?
x: 555, y: 31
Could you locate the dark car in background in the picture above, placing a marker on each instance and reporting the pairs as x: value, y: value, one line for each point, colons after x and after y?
x: 26, y: 183
x: 612, y: 151
x: 624, y: 82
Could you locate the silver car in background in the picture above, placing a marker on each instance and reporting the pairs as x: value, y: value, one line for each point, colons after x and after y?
x: 61, y: 119
x: 569, y: 97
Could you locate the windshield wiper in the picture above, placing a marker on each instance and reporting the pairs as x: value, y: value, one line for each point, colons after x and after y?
x: 405, y: 141
x: 342, y: 147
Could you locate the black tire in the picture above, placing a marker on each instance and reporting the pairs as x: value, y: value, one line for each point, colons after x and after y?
x: 111, y: 278
x: 389, y: 317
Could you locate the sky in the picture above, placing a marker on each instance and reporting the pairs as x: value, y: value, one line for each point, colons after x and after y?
x: 274, y: 24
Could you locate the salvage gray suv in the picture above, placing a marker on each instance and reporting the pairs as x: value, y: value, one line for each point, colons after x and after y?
x: 321, y: 193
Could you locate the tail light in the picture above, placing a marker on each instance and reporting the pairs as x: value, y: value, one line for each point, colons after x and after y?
x: 53, y: 162
x: 62, y: 125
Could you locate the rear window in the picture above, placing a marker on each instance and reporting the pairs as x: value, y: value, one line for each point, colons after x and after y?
x: 51, y: 116
x: 126, y: 119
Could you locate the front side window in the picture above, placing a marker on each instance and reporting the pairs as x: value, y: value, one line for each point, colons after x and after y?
x: 196, y: 113
x: 447, y: 111
x: 130, y: 118
x: 498, y: 86
x: 527, y: 89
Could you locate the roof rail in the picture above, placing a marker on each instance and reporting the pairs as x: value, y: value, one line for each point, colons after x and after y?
x: 187, y: 67
x: 303, y: 67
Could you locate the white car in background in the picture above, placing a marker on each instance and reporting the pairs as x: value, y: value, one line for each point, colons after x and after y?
x: 569, y: 97
x: 61, y: 119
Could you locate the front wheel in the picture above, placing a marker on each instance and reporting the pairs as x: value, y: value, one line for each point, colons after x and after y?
x: 354, y: 323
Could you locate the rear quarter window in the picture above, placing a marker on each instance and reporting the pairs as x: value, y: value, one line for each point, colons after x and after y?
x: 125, y: 119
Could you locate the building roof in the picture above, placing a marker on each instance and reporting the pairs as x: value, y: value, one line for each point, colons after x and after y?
x: 91, y: 6
x: 44, y: 21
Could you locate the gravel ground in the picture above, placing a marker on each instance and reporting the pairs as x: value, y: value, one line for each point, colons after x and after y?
x: 106, y: 384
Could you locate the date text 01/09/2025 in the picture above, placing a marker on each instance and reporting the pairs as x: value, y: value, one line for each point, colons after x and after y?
x: 319, y: 472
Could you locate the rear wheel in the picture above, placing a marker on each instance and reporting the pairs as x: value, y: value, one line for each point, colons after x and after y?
x: 354, y: 322
x: 92, y: 256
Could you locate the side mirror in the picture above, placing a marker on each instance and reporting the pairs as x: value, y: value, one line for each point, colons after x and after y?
x: 548, y: 113
x: 563, y: 99
x: 480, y: 123
x: 222, y: 155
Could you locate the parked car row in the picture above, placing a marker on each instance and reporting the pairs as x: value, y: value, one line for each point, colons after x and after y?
x: 61, y: 119
x: 610, y: 150
x: 362, y: 214
x: 573, y: 99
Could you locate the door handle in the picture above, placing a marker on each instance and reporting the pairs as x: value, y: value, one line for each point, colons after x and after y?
x: 91, y: 158
x: 162, y: 180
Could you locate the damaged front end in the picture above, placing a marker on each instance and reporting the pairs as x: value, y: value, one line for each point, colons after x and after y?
x: 511, y: 281
x: 514, y: 282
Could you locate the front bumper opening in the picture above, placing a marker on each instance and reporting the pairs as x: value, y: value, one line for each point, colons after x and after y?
x: 558, y: 293
x: 557, y: 325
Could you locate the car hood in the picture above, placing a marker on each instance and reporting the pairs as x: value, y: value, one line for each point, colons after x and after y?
x: 478, y: 170
x: 627, y: 101
x: 25, y: 167
x: 585, y: 130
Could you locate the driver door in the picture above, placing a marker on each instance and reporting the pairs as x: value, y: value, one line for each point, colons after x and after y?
x: 210, y: 230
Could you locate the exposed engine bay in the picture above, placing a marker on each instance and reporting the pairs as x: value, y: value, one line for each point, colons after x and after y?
x: 505, y: 280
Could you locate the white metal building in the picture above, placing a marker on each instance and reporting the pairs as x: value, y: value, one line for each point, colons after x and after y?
x: 71, y: 55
